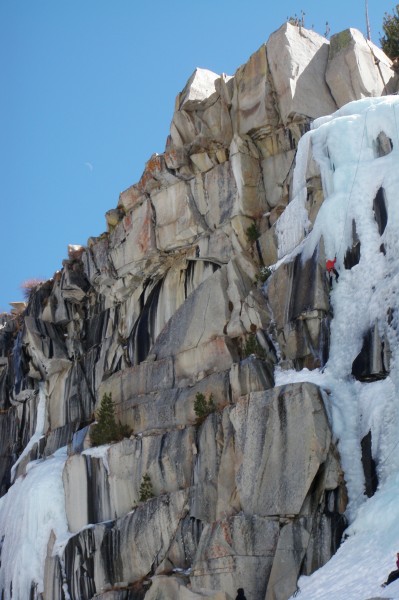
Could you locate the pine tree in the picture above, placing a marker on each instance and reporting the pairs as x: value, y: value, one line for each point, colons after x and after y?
x: 146, y: 490
x: 390, y: 41
x: 252, y: 346
x: 106, y: 429
x: 202, y: 407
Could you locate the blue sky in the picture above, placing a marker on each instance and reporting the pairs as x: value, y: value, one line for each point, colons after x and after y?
x: 88, y: 90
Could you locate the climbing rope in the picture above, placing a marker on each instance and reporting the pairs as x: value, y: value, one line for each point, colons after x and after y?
x: 377, y: 64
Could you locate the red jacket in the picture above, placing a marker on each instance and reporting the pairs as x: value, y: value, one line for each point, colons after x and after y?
x: 330, y: 266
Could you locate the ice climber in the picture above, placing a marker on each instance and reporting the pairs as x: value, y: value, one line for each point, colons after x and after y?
x: 240, y: 594
x: 393, y: 575
x: 330, y: 266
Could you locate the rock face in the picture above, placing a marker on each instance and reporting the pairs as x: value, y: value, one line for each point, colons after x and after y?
x: 357, y: 68
x: 297, y: 59
x: 167, y: 308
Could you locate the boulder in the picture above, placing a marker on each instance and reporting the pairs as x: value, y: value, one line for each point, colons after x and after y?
x: 202, y: 114
x: 250, y: 375
x: 74, y: 284
x: 156, y: 175
x: 96, y: 261
x: 202, y: 161
x: 129, y: 198
x: 199, y: 89
x: 75, y: 251
x: 213, y: 356
x: 357, y: 68
x: 298, y: 61
x: 113, y: 217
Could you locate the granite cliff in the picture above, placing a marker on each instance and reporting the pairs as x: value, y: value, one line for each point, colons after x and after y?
x: 202, y: 285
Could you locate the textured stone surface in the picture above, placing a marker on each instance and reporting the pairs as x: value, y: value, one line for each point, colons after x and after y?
x: 99, y: 490
x: 285, y: 433
x: 357, y: 68
x: 201, y: 111
x: 134, y: 238
x: 372, y: 362
x: 252, y: 102
x: 172, y: 588
x: 292, y: 545
x: 168, y: 309
x: 172, y: 408
x: 236, y: 553
x: 199, y: 88
x: 129, y: 547
x: 298, y: 60
x: 199, y: 320
x: 178, y: 221
x: 302, y: 314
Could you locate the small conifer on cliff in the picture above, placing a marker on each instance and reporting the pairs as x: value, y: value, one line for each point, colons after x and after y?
x: 107, y: 430
x: 203, y: 407
x: 146, y: 490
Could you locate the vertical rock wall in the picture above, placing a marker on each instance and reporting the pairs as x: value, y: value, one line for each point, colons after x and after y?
x: 168, y: 304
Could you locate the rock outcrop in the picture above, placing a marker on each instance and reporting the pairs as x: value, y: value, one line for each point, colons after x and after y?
x: 357, y: 68
x: 169, y: 305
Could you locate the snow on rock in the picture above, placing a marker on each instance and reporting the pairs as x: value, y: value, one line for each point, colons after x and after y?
x: 32, y: 508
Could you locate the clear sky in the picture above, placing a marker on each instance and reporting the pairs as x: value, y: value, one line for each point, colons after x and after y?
x: 87, y: 95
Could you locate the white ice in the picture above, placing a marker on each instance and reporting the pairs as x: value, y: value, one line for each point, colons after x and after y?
x: 344, y: 147
x: 33, y: 507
